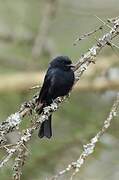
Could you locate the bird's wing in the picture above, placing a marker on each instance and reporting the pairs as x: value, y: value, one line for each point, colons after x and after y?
x: 45, y: 87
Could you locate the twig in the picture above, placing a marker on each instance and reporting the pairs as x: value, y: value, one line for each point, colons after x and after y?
x: 114, y: 45
x: 92, y: 32
x: 6, y: 158
x: 89, y: 148
x: 89, y: 57
x: 105, y: 24
x: 87, y: 35
x: 19, y: 162
x: 13, y: 121
x: 112, y: 20
x: 9, y: 125
x: 26, y: 135
x: 35, y: 87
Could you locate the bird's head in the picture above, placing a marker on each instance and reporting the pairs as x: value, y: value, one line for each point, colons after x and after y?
x: 62, y: 62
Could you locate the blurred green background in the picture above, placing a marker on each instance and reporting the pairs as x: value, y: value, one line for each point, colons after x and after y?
x: 83, y: 114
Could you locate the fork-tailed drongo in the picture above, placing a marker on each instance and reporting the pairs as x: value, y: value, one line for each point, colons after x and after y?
x: 58, y: 81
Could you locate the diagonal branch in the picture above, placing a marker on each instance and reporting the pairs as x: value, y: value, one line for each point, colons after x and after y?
x: 14, y: 120
x: 82, y: 64
x: 89, y: 148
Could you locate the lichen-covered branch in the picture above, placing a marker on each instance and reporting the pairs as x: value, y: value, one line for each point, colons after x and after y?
x: 26, y: 135
x: 14, y: 120
x: 89, y: 148
x: 19, y: 162
x: 81, y: 66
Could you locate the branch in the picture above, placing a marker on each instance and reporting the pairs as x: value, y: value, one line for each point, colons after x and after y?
x: 26, y: 135
x: 14, y: 120
x: 19, y: 162
x: 80, y: 67
x: 89, y: 148
x: 86, y: 35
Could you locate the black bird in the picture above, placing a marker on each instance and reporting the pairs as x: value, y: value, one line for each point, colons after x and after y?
x: 58, y: 81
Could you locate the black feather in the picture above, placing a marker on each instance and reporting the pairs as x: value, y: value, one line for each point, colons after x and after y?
x: 45, y: 129
x: 58, y: 81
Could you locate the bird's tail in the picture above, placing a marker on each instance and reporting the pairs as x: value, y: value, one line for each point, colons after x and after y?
x: 46, y: 129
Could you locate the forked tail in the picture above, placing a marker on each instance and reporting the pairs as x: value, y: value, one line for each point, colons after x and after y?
x: 46, y: 129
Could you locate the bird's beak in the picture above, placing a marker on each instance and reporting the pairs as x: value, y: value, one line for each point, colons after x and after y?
x: 71, y: 65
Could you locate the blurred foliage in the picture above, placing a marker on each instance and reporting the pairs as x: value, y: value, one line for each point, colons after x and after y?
x: 83, y: 114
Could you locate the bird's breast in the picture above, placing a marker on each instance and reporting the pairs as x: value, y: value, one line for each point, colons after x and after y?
x: 62, y: 82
